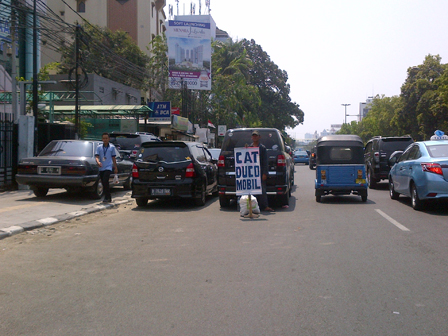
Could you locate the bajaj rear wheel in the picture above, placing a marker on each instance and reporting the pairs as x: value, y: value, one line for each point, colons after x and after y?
x: 318, y: 195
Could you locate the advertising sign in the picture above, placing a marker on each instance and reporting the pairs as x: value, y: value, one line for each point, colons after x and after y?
x: 189, y: 54
x: 222, y: 130
x: 180, y: 123
x: 161, y: 111
x: 247, y: 171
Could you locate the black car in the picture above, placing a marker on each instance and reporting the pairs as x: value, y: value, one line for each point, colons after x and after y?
x: 281, y: 165
x: 71, y: 165
x: 129, y: 143
x: 173, y: 169
x: 376, y: 155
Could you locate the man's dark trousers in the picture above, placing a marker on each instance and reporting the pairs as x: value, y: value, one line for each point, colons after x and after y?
x: 104, y: 176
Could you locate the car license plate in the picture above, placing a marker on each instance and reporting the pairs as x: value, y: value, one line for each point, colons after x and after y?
x: 49, y: 170
x: 161, y: 192
x: 361, y: 181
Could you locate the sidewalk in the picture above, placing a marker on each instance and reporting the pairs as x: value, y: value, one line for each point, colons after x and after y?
x: 20, y: 210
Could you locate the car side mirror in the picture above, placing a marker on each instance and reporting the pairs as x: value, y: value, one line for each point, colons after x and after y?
x: 394, y: 158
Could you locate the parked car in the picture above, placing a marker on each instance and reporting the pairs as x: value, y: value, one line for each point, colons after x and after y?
x: 420, y: 172
x: 312, y: 161
x: 129, y: 143
x: 301, y: 157
x: 340, y: 167
x: 281, y: 165
x: 69, y: 164
x: 173, y: 169
x: 377, y: 153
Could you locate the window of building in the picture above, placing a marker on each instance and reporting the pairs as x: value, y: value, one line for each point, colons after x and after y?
x: 81, y: 7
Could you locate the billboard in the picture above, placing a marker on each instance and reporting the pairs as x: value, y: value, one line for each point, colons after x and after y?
x: 189, y: 54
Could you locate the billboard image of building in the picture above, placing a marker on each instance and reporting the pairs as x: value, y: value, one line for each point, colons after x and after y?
x: 189, y: 54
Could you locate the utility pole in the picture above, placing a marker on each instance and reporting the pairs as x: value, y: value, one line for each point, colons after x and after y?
x: 345, y: 114
x: 35, y: 80
x: 14, y: 101
x: 77, y: 81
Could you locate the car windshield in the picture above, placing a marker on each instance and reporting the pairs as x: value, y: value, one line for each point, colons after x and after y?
x: 125, y: 142
x: 300, y: 153
x: 164, y: 153
x: 438, y: 151
x: 68, y: 148
x: 268, y: 138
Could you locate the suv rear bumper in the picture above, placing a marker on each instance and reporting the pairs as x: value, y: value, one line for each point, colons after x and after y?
x: 230, y: 191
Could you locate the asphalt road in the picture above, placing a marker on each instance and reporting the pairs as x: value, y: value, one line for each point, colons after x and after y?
x: 340, y: 267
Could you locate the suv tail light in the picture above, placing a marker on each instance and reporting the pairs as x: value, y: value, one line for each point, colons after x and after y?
x: 376, y: 155
x: 281, y: 160
x: 135, y: 171
x: 190, y: 171
x: 221, y: 161
x: 432, y: 168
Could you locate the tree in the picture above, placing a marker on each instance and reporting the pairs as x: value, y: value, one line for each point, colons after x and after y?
x: 379, y: 119
x: 417, y: 95
x: 277, y: 109
x: 233, y: 100
x: 113, y: 55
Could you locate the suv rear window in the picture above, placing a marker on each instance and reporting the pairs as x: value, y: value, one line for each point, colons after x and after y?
x: 269, y: 139
x: 395, y: 144
x: 165, y: 152
x: 127, y: 141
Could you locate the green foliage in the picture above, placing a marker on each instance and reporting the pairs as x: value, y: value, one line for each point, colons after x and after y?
x: 113, y: 55
x: 158, y: 65
x: 277, y: 109
x: 83, y: 127
x: 421, y: 108
x: 418, y: 94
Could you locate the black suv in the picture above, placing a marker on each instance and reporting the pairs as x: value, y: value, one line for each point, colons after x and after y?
x: 129, y: 143
x: 173, y: 169
x: 377, y: 153
x: 281, y: 165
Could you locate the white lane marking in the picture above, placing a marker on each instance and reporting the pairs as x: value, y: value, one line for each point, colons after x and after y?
x: 393, y: 221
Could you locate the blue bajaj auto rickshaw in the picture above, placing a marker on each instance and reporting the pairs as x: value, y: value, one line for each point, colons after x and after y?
x: 340, y: 168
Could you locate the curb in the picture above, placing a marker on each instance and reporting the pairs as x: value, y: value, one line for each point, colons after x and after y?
x: 31, y: 225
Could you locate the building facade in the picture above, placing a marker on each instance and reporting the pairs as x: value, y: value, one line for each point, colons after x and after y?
x: 141, y: 19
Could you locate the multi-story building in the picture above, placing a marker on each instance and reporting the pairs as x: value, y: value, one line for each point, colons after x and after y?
x: 364, y: 108
x: 141, y: 19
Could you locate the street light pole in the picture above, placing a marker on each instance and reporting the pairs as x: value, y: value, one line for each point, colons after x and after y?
x: 345, y: 114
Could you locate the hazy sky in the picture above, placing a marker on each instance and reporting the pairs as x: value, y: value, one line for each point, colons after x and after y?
x: 336, y: 52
